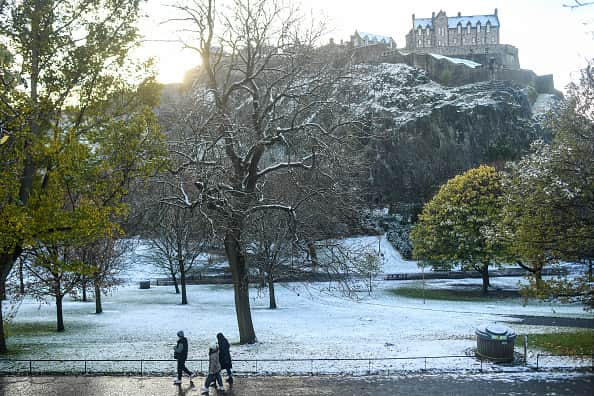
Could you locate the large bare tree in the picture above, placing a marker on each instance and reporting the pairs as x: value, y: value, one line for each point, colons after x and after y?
x: 264, y: 108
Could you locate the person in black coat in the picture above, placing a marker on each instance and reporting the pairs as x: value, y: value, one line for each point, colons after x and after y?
x: 225, y: 356
x: 180, y: 353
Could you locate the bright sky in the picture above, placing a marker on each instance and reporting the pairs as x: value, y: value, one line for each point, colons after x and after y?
x: 551, y: 39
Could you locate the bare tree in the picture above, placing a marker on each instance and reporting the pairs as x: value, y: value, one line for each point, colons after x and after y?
x: 177, y: 240
x: 577, y: 4
x: 54, y: 271
x: 264, y: 106
x: 269, y: 247
x: 104, y: 259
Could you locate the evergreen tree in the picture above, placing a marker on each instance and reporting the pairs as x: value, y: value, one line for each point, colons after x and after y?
x: 457, y: 226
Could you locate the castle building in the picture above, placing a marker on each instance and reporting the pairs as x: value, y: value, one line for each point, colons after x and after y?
x: 475, y: 37
x: 443, y: 31
x: 361, y: 39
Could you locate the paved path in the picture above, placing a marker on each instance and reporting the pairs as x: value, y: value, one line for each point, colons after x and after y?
x: 540, y: 383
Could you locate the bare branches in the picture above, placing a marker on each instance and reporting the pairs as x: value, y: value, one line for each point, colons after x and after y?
x: 578, y: 4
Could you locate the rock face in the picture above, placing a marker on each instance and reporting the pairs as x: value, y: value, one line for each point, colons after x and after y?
x: 427, y: 133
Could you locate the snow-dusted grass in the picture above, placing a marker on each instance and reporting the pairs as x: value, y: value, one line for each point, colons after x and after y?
x: 311, y: 322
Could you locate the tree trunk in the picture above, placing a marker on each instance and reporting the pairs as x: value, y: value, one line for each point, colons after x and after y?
x: 590, y: 277
x: 182, y: 281
x: 21, y: 278
x: 3, y: 348
x: 485, y: 276
x: 174, y: 280
x: 538, y: 279
x: 313, y: 255
x: 247, y: 335
x: 98, y: 306
x: 6, y: 263
x: 59, y: 313
x: 271, y: 295
x: 84, y: 290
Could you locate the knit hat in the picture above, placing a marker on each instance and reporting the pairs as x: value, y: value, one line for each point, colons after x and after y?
x: 180, y: 333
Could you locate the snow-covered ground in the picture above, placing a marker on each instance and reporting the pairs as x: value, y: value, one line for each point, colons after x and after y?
x: 310, y: 323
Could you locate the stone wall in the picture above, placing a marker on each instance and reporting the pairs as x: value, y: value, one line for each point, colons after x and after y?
x: 454, y: 74
x: 503, y: 54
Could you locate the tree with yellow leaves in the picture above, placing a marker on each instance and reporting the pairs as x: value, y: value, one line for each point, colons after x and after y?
x: 459, y: 224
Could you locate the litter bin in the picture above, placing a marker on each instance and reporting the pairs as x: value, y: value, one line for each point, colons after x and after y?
x: 145, y: 284
x: 495, y: 342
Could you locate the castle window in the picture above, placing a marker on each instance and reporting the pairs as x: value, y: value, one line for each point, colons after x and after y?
x: 468, y: 28
x: 459, y: 28
x: 420, y: 43
x: 473, y: 40
x: 488, y: 27
x: 427, y: 30
x: 420, y: 31
x: 478, y: 28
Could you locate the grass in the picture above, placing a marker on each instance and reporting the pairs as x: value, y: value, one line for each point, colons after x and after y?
x: 474, y: 294
x: 29, y: 329
x: 568, y: 343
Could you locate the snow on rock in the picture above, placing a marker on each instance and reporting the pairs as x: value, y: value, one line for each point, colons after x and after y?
x: 545, y: 103
x: 459, y: 61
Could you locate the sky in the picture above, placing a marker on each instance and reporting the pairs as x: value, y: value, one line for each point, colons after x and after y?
x: 551, y: 38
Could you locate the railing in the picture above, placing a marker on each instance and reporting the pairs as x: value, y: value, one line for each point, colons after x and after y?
x: 509, y: 272
x: 582, y: 356
x: 382, y: 365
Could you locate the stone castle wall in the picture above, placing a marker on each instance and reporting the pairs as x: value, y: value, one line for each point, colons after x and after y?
x: 503, y: 54
x: 454, y: 74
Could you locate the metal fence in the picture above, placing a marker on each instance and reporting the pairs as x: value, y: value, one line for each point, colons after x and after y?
x: 357, y: 366
x: 583, y: 357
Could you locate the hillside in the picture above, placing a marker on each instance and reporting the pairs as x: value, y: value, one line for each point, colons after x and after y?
x: 425, y: 132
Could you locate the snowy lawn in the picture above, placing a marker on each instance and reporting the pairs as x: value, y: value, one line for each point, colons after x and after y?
x: 309, y: 323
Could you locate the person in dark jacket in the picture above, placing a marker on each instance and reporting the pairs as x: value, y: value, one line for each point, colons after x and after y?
x: 225, y: 356
x: 180, y: 353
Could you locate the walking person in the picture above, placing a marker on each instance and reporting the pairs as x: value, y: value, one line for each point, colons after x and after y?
x: 225, y: 356
x: 180, y: 353
x: 214, y: 369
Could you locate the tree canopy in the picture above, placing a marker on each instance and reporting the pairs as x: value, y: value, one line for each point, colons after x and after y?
x: 457, y: 226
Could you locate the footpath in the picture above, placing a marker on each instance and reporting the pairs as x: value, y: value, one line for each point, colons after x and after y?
x: 525, y: 383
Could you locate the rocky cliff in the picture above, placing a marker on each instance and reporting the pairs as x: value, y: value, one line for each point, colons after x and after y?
x: 425, y: 132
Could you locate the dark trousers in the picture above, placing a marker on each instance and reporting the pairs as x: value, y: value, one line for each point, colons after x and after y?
x: 181, y: 368
x: 211, y: 377
x: 229, y: 372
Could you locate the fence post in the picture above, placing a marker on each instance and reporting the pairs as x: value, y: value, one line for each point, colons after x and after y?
x: 369, y: 366
x: 85, y: 366
x: 30, y: 367
x: 537, y: 356
x: 425, y: 363
x: 141, y: 367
